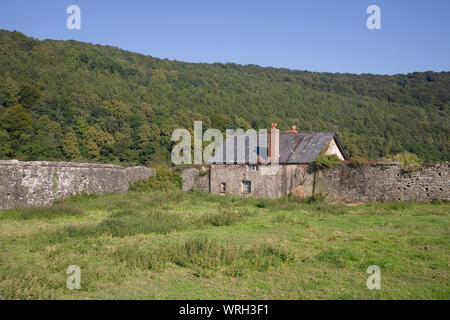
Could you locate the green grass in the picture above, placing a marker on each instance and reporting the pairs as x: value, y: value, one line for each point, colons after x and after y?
x: 49, y: 212
x: 191, y: 245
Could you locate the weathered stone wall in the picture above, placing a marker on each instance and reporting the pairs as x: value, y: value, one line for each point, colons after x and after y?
x: 265, y: 183
x: 376, y: 182
x: 134, y: 174
x: 194, y: 178
x: 297, y: 179
x: 40, y: 183
x: 384, y: 182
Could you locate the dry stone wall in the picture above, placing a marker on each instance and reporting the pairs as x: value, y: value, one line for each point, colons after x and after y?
x: 384, y: 182
x: 367, y: 183
x: 194, y: 178
x: 40, y: 183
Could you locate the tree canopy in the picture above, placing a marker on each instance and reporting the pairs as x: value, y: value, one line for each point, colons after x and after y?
x: 68, y: 100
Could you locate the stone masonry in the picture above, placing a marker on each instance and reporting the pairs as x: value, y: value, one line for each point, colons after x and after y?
x: 194, y: 178
x: 384, y: 182
x: 344, y: 183
x: 40, y: 183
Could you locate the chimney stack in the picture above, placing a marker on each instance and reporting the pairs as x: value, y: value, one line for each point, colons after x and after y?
x: 273, y: 141
x: 294, y: 130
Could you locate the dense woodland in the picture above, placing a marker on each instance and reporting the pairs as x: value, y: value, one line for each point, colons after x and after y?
x: 67, y: 100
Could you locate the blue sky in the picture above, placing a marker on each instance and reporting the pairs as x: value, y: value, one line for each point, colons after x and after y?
x: 314, y: 35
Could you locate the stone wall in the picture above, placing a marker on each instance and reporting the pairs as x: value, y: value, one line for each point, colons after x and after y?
x: 266, y: 182
x: 384, y: 182
x: 40, y: 183
x: 298, y: 180
x: 375, y: 182
x: 194, y: 178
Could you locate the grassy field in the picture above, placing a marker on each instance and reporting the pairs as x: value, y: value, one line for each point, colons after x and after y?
x: 175, y: 245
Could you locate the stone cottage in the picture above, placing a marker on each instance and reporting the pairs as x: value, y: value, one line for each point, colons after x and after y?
x: 242, y: 167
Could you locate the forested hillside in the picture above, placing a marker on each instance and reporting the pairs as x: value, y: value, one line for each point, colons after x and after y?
x: 66, y: 100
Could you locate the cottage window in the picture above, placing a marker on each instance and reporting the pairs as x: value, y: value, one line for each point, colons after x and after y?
x: 223, y: 187
x: 252, y: 167
x: 246, y: 187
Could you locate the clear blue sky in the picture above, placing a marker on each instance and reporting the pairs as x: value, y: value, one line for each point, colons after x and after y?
x: 315, y: 35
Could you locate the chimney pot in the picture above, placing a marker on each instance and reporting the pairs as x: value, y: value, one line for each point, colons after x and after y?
x: 273, y: 141
x: 293, y: 130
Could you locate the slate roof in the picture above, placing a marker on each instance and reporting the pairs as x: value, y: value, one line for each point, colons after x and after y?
x: 295, y: 148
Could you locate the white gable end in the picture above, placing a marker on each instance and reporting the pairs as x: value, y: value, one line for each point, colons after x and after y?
x: 334, y: 149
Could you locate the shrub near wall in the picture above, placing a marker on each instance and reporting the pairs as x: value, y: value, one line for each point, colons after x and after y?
x: 164, y: 179
x: 323, y: 161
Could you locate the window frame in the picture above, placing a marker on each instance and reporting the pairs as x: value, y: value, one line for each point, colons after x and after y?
x: 246, y: 187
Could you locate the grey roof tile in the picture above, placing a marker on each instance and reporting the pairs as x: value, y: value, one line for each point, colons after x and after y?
x: 294, y: 148
x: 303, y: 147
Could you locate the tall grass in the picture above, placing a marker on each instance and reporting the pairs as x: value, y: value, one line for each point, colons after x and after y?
x: 223, y: 217
x: 160, y: 239
x: 131, y: 221
x: 204, y: 256
x: 47, y: 212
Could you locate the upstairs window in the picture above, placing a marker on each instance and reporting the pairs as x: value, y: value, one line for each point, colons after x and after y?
x: 252, y: 167
x: 246, y: 187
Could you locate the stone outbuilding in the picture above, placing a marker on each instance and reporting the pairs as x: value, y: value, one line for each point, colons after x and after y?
x: 271, y: 166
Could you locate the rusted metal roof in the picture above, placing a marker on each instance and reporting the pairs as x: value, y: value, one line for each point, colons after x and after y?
x: 295, y: 148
